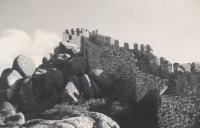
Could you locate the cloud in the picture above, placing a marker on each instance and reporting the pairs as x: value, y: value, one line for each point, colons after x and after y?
x: 14, y: 42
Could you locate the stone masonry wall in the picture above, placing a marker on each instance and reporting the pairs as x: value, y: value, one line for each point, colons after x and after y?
x: 176, y: 112
x: 120, y: 63
x: 117, y: 62
x: 146, y: 83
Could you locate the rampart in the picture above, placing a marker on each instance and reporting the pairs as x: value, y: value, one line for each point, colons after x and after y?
x: 176, y: 112
x: 121, y: 63
x: 142, y: 72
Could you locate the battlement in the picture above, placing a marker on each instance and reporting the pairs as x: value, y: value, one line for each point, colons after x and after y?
x: 102, y: 40
x: 70, y: 34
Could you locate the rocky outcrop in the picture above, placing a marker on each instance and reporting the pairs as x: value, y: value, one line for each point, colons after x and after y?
x: 17, y: 119
x: 10, y: 77
x: 8, y: 115
x: 24, y: 65
x: 88, y: 91
x: 102, y: 79
x: 10, y: 85
x: 70, y: 93
x: 89, y: 120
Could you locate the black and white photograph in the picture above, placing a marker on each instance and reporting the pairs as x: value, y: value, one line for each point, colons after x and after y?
x: 99, y: 63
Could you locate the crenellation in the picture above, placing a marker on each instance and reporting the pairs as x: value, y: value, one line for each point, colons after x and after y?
x: 72, y: 31
x: 67, y: 31
x: 116, y: 43
x: 145, y: 48
x: 78, y: 31
x: 126, y: 45
x: 135, y: 46
x: 74, y: 35
x: 141, y: 47
x: 149, y: 50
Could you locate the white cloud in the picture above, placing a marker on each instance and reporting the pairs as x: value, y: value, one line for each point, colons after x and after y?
x: 14, y: 42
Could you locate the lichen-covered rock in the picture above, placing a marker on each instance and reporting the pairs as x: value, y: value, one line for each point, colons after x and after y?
x: 17, y: 119
x: 24, y: 65
x: 88, y: 91
x: 10, y: 77
x: 70, y: 93
x: 101, y: 79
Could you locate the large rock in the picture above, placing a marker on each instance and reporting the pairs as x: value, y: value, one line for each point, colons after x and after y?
x: 103, y: 121
x: 88, y: 91
x: 101, y: 79
x: 6, y: 110
x: 17, y: 119
x: 53, y: 81
x: 90, y: 120
x: 69, y: 48
x: 76, y: 81
x: 70, y: 93
x: 48, y: 80
x: 30, y: 97
x: 24, y: 65
x: 11, y: 80
x: 10, y: 77
x: 73, y: 67
x: 43, y: 90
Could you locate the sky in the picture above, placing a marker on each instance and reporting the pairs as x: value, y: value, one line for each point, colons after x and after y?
x: 34, y: 27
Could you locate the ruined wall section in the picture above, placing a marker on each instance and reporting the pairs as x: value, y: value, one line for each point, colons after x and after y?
x: 176, y: 112
x: 146, y: 82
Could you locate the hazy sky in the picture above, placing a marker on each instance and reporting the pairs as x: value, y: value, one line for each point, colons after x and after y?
x: 171, y: 27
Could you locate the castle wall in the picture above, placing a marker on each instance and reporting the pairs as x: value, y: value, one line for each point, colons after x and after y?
x: 146, y: 83
x: 117, y: 62
x: 176, y: 112
x: 131, y: 68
